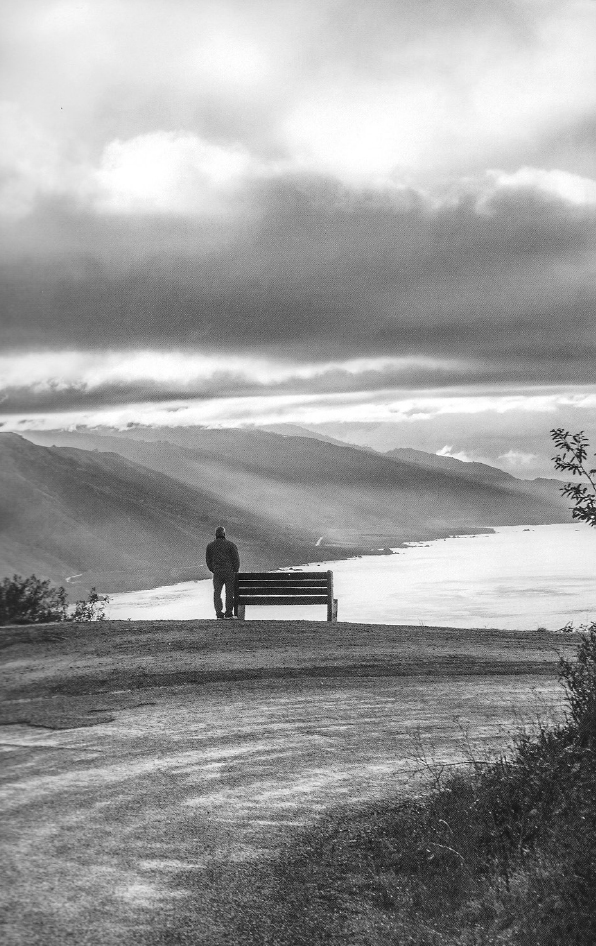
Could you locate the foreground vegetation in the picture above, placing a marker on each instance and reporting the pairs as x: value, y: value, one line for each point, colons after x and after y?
x: 504, y: 854
x: 34, y: 600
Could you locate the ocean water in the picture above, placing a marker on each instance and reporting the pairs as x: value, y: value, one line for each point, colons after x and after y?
x: 519, y: 577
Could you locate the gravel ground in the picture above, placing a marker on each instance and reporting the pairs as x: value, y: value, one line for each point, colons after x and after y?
x: 150, y: 767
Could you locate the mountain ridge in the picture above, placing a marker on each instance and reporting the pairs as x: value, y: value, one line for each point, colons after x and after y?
x: 437, y: 462
x: 318, y: 497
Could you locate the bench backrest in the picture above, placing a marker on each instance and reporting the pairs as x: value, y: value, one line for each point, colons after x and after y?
x: 283, y: 588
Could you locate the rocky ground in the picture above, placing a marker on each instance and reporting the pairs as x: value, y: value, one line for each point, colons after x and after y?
x: 151, y: 770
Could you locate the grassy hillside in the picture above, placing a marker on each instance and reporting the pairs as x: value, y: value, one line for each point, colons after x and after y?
x: 67, y: 512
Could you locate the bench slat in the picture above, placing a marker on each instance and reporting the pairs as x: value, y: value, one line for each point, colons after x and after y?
x: 280, y: 586
x: 280, y: 576
x: 303, y: 599
x: 281, y: 592
x: 283, y: 576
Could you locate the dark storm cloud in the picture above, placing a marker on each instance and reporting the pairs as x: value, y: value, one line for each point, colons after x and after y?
x: 322, y: 279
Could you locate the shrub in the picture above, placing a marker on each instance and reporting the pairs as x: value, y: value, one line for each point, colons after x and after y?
x: 31, y: 601
x: 35, y: 601
x: 93, y: 609
x: 579, y: 680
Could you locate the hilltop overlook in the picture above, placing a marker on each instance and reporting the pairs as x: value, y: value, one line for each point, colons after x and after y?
x: 167, y: 770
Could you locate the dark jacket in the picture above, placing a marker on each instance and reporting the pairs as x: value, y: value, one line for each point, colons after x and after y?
x: 222, y: 556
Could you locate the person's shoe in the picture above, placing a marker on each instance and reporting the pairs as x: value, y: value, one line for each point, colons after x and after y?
x: 230, y: 617
x: 220, y: 617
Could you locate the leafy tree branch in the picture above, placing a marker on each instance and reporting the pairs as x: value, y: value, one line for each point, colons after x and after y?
x: 572, y: 457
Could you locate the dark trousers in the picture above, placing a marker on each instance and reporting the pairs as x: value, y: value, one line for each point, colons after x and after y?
x: 219, y: 580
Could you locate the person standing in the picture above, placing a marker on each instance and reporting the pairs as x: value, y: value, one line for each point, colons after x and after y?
x: 224, y: 561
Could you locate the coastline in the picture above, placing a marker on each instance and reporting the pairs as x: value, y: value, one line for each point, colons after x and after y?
x: 515, y: 577
x: 148, y: 579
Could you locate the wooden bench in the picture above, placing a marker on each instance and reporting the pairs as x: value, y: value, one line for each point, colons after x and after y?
x: 284, y: 588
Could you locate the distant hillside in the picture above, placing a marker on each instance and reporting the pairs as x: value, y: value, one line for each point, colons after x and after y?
x: 432, y: 461
x: 479, y: 471
x: 345, y: 495
x: 295, y: 430
x: 67, y: 512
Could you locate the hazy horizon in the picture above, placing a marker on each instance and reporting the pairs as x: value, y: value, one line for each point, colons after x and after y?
x: 383, y: 437
x: 318, y: 212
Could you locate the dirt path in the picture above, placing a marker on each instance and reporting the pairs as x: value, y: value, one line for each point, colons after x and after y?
x: 145, y: 763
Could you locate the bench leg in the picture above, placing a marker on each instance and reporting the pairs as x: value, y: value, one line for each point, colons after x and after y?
x: 334, y: 609
x: 241, y: 611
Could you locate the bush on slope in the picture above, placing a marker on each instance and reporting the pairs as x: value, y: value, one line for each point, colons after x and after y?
x: 34, y: 600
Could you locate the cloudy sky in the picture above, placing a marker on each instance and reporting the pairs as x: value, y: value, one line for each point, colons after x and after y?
x: 319, y: 211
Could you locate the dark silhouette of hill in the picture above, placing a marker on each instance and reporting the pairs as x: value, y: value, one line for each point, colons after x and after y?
x: 300, y: 485
x: 69, y: 512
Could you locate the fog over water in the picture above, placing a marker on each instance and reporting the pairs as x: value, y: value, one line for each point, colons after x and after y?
x: 518, y: 577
